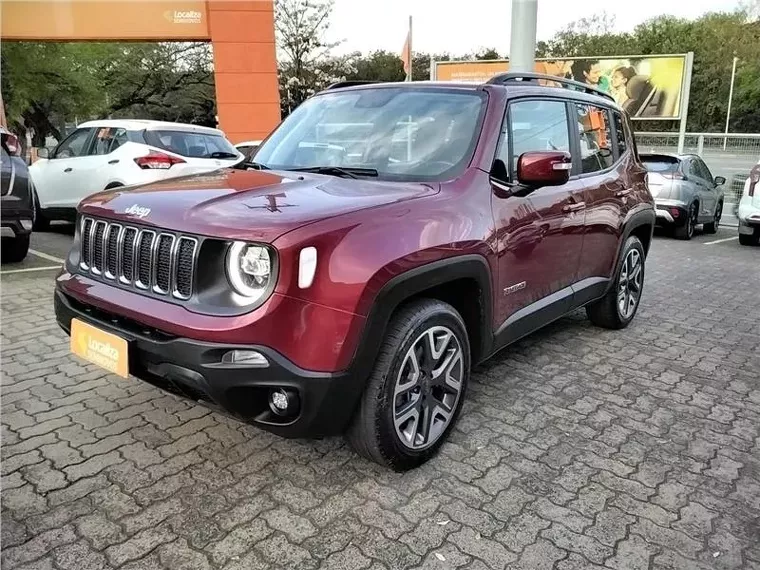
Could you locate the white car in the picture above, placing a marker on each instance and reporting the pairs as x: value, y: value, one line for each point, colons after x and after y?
x: 106, y: 154
x: 247, y: 148
x: 749, y: 209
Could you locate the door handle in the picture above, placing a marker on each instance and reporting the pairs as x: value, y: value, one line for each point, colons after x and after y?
x: 622, y: 193
x: 114, y: 161
x: 69, y: 169
x: 574, y: 207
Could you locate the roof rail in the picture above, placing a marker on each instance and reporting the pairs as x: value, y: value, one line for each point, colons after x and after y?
x: 350, y: 83
x: 535, y: 77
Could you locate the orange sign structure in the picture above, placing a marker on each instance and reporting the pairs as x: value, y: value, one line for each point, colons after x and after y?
x: 240, y: 31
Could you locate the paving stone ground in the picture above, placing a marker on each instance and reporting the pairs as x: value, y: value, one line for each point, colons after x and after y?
x: 577, y: 448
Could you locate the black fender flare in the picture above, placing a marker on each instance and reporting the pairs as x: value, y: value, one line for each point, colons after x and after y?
x: 642, y: 218
x: 413, y: 282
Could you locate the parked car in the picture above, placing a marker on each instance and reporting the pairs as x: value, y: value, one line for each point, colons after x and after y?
x: 247, y: 148
x: 108, y: 154
x: 685, y: 192
x: 749, y: 209
x: 312, y: 298
x: 16, y: 210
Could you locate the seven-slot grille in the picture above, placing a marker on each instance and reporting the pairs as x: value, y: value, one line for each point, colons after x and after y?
x: 156, y: 261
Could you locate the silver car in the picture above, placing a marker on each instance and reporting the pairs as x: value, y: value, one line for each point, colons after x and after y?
x: 685, y: 193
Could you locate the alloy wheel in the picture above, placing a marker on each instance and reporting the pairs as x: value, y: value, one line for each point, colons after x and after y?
x: 629, y: 285
x: 428, y: 388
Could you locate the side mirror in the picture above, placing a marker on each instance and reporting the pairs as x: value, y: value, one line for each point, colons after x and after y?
x: 551, y: 168
x: 43, y: 153
x: 720, y: 180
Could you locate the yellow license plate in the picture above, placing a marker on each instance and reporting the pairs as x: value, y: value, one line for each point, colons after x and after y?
x: 99, y: 347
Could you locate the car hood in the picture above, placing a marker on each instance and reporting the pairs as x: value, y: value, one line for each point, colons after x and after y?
x: 247, y: 205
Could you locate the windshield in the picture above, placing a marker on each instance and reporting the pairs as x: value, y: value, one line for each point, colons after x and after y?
x: 660, y: 164
x: 192, y: 145
x: 402, y: 133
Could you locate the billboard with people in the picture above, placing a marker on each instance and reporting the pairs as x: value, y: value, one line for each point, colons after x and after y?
x: 647, y: 86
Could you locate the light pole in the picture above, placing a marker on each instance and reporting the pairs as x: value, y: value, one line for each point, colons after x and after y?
x: 522, y: 42
x: 730, y: 97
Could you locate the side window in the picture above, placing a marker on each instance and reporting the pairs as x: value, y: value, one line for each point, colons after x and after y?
x: 107, y: 140
x: 74, y: 145
x: 692, y: 169
x: 593, y: 128
x: 619, y: 133
x: 705, y: 172
x: 535, y: 126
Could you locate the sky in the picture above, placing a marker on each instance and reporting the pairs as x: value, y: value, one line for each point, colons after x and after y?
x: 466, y: 26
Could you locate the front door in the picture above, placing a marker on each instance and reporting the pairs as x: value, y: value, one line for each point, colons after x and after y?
x: 708, y: 192
x: 540, y: 233
x: 58, y: 180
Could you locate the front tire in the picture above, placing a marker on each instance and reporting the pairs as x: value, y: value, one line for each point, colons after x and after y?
x: 415, y: 392
x: 712, y: 227
x: 618, y: 307
x: 749, y: 239
x: 686, y: 231
x: 15, y: 249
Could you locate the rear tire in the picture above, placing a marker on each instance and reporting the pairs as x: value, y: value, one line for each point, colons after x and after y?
x: 618, y: 307
x: 41, y: 223
x: 712, y: 227
x: 415, y: 392
x: 15, y: 249
x: 686, y: 231
x: 749, y: 239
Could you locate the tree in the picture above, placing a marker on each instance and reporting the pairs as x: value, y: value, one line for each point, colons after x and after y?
x: 306, y: 65
x: 46, y: 84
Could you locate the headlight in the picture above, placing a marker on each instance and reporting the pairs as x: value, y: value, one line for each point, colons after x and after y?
x: 249, y: 269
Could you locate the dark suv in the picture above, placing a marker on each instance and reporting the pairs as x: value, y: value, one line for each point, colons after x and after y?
x: 16, y: 203
x: 387, y: 238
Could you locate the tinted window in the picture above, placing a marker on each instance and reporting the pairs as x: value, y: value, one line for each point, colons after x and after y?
x: 692, y: 169
x: 74, y: 145
x: 593, y: 127
x: 704, y: 172
x: 537, y: 126
x: 403, y: 133
x: 193, y: 145
x: 108, y: 139
x: 660, y: 164
x: 619, y: 133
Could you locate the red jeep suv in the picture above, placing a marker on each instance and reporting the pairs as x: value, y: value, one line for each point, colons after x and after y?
x: 383, y: 240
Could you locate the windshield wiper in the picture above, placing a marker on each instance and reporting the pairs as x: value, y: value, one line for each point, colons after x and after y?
x: 223, y: 154
x: 345, y: 171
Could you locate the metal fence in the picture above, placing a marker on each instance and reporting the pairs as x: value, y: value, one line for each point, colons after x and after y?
x: 731, y: 156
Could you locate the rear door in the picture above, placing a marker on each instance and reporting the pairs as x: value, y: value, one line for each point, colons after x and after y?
x: 540, y: 234
x: 610, y: 175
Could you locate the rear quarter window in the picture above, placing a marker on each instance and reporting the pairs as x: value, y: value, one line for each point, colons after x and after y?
x: 191, y: 145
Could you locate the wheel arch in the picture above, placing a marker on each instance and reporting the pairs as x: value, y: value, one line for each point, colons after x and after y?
x: 463, y: 281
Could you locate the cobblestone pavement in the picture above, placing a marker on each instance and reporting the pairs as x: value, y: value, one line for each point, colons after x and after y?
x: 577, y: 448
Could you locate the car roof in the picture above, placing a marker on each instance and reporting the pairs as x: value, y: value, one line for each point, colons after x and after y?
x: 513, y: 89
x: 146, y: 124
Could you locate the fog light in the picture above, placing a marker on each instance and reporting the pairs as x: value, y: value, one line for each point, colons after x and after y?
x: 250, y: 358
x: 283, y: 401
x: 26, y: 224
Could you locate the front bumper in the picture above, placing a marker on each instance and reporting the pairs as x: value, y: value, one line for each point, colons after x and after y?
x: 194, y: 370
x: 16, y: 217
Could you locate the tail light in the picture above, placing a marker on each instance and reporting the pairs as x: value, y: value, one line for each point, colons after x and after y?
x: 157, y: 160
x: 11, y: 144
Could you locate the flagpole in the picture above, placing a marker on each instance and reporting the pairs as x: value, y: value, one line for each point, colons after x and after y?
x: 409, y: 50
